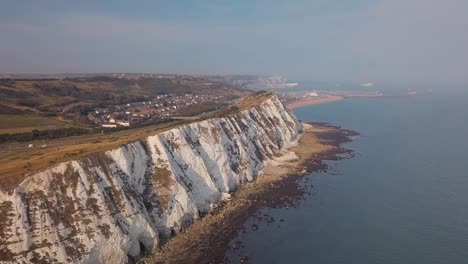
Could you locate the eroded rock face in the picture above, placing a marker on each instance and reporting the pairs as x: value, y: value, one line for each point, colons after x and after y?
x: 111, y: 207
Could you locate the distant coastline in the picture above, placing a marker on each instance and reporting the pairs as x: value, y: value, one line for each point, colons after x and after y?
x: 315, y: 100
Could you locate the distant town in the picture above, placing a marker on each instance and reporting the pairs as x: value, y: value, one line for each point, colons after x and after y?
x: 159, y: 108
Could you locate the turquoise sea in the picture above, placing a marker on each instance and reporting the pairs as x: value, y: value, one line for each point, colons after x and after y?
x: 402, y: 199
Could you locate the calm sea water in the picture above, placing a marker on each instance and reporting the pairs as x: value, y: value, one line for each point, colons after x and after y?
x: 403, y: 199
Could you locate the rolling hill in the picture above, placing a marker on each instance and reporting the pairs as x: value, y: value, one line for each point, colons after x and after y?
x: 46, y: 96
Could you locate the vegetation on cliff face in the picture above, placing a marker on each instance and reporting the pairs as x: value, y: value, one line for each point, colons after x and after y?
x: 14, y: 168
x: 121, y: 198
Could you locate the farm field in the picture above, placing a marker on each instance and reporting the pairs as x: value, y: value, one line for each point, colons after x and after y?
x: 10, y: 124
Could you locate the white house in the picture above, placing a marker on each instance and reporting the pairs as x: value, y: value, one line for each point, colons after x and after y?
x: 109, y: 125
x: 126, y: 124
x: 312, y: 94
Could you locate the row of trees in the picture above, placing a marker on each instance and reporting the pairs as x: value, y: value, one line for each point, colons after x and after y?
x: 43, y: 134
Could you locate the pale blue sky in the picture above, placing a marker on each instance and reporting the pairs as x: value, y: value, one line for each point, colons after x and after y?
x: 414, y: 41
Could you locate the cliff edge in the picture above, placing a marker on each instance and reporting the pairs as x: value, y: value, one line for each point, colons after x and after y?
x: 113, y: 206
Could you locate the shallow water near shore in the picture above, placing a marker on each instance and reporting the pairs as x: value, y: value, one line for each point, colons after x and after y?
x: 402, y: 199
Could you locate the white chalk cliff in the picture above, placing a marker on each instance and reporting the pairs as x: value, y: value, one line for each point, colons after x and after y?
x: 111, y: 206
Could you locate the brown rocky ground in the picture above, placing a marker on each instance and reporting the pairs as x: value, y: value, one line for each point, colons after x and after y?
x: 207, y: 240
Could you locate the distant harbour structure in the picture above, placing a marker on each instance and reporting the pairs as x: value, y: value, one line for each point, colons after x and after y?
x: 367, y: 84
x: 311, y: 94
x: 291, y: 84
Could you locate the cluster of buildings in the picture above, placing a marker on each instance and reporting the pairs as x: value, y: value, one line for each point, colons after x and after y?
x: 159, y: 108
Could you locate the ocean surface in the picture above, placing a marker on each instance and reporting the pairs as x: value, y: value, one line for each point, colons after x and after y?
x: 402, y: 199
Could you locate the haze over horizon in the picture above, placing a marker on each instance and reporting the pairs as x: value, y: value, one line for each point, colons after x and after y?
x: 417, y: 41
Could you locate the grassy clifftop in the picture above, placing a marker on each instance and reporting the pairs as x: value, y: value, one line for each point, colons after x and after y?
x: 14, y: 168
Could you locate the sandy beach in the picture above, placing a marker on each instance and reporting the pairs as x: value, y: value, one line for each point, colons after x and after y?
x: 316, y: 100
x: 208, y: 239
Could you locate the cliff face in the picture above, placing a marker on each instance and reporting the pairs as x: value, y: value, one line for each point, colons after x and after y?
x: 112, y: 206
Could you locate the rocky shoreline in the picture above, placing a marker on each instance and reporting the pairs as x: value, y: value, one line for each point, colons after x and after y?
x: 208, y: 239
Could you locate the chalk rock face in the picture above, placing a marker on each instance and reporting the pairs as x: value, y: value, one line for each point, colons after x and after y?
x: 112, y: 207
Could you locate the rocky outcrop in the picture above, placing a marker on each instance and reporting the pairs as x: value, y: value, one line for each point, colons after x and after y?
x: 111, y: 207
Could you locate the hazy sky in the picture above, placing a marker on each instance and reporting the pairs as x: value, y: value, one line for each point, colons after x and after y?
x: 329, y: 40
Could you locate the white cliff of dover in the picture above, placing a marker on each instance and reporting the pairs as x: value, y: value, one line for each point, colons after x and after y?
x: 110, y: 207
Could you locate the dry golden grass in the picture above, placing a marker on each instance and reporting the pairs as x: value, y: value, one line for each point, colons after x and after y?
x: 10, y: 124
x: 21, y: 164
x: 16, y: 167
x: 253, y: 101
